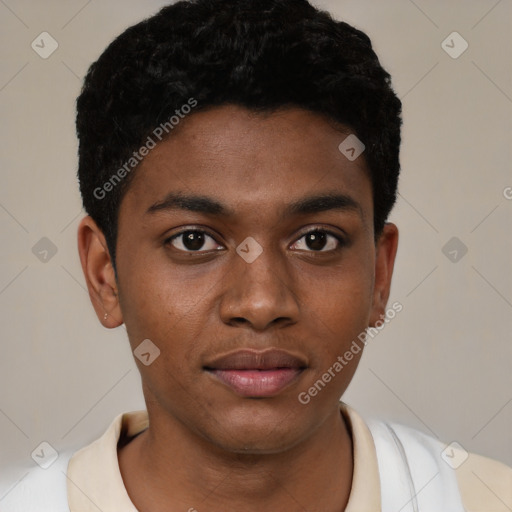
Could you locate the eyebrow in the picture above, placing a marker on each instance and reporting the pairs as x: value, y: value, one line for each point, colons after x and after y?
x: 209, y: 206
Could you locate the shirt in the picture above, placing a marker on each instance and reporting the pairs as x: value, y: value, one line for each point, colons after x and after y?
x: 485, y: 484
x: 92, y: 480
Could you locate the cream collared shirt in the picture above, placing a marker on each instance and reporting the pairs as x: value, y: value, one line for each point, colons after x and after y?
x: 94, y: 480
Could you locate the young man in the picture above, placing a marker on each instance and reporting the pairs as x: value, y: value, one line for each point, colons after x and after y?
x: 238, y: 161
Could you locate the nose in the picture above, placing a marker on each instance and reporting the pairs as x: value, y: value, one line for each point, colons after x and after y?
x: 259, y: 295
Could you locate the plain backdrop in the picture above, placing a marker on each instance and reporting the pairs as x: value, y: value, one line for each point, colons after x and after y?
x: 443, y: 365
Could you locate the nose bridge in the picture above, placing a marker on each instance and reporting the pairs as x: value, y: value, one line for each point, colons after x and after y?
x: 260, y: 287
x: 266, y: 270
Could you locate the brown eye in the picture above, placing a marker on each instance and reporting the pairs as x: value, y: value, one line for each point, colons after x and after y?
x: 193, y: 240
x: 320, y: 240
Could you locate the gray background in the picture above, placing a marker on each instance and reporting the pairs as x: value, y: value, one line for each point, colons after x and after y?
x: 442, y: 365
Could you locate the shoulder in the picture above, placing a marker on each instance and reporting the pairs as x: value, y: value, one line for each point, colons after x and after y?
x: 38, y: 489
x: 483, y: 484
x: 48, y: 488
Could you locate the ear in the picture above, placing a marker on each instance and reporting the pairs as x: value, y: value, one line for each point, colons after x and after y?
x: 99, y: 273
x: 384, y: 262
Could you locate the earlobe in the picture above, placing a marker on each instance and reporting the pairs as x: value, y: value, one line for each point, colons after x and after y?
x: 99, y: 273
x: 386, y: 248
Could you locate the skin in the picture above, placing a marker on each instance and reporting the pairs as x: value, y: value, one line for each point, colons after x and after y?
x: 207, y: 447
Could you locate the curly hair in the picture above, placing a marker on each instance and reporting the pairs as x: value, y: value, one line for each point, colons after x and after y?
x: 259, y: 54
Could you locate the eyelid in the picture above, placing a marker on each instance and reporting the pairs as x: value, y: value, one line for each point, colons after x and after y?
x: 323, y: 229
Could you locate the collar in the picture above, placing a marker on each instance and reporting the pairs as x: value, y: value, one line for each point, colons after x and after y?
x: 95, y: 481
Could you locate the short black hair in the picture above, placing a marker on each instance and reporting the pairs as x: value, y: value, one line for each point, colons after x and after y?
x: 259, y: 54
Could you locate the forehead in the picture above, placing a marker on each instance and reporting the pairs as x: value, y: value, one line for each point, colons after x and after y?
x: 250, y: 160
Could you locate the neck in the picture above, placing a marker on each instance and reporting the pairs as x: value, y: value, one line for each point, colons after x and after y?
x: 167, y: 468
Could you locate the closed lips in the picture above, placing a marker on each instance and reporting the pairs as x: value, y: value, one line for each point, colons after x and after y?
x: 257, y: 360
x: 257, y: 374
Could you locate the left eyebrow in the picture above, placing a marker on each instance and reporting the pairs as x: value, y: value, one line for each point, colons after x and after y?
x: 304, y: 206
x: 322, y: 203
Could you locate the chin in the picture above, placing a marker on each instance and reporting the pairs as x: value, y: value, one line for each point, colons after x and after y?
x: 259, y: 432
x: 261, y: 443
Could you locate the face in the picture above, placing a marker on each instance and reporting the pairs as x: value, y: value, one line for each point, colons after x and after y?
x: 246, y: 254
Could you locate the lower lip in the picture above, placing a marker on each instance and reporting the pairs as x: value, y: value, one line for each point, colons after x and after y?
x: 257, y: 383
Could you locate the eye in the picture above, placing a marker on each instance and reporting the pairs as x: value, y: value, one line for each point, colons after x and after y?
x: 198, y: 241
x: 193, y: 240
x: 320, y: 240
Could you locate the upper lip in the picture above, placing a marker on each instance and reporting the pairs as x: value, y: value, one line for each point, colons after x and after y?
x: 248, y: 359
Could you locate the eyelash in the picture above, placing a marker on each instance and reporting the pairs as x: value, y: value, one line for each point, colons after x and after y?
x: 340, y: 239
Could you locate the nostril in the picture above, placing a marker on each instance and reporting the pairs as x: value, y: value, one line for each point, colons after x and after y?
x: 239, y: 320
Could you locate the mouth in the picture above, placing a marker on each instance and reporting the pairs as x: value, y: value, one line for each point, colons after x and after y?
x: 257, y: 374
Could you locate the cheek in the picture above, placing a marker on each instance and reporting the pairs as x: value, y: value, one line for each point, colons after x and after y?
x: 154, y: 310
x: 340, y: 307
x: 165, y: 304
x: 345, y: 316
x: 340, y: 316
